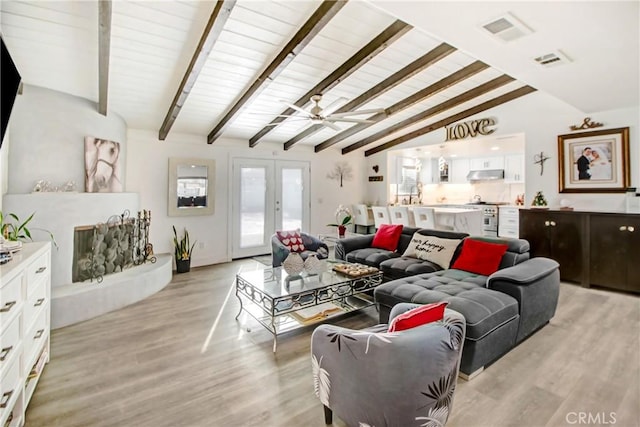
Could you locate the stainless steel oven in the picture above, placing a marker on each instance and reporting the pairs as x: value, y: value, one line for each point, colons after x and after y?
x: 490, y: 220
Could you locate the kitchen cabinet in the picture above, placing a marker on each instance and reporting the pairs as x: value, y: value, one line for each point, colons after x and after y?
x: 558, y: 235
x: 514, y: 169
x: 613, y: 240
x: 459, y: 171
x: 486, y: 163
x: 508, y: 221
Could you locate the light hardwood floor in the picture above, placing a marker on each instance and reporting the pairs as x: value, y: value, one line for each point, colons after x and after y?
x: 179, y: 358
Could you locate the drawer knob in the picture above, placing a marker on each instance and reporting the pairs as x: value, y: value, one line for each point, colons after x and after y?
x: 41, y: 269
x: 547, y: 223
x: 553, y: 223
x: 38, y: 334
x: 5, y: 399
x: 631, y: 228
x: 7, y: 307
x: 39, y: 302
x: 5, y: 352
x: 623, y: 228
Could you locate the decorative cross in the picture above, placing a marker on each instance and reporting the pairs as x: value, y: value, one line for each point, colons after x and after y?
x: 539, y: 159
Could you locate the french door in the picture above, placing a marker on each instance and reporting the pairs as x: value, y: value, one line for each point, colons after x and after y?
x: 268, y: 195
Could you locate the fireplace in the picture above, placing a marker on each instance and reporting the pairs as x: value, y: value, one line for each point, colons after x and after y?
x: 111, y: 247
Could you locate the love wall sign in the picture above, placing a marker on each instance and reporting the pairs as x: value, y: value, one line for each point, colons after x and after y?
x: 470, y: 129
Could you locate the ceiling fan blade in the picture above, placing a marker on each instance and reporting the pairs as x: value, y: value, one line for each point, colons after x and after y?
x: 346, y: 119
x: 295, y: 107
x: 333, y: 106
x: 358, y: 112
x: 328, y: 124
x: 293, y: 119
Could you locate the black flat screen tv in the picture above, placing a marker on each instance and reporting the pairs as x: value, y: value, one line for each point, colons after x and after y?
x: 10, y: 79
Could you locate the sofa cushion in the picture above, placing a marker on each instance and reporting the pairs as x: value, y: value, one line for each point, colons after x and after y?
x: 418, y: 316
x: 291, y: 239
x: 484, y: 309
x: 371, y: 256
x: 480, y: 257
x: 432, y: 248
x: 395, y: 268
x: 387, y: 237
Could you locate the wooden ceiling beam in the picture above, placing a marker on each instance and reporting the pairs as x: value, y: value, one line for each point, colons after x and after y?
x: 393, y: 32
x: 104, y: 47
x: 437, y: 109
x: 407, y: 102
x: 217, y: 20
x: 509, y: 96
x: 392, y: 81
x: 321, y: 17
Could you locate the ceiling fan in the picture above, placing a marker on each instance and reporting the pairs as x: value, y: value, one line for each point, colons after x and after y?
x: 326, y: 116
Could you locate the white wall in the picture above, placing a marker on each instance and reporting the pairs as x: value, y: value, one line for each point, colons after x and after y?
x: 47, y: 131
x: 147, y: 174
x: 541, y: 118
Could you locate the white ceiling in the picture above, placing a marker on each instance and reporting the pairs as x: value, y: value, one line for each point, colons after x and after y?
x: 54, y: 45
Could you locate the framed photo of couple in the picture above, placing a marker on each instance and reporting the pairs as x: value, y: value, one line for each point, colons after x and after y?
x: 594, y: 162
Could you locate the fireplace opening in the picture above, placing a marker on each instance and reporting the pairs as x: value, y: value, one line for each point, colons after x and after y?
x: 111, y: 247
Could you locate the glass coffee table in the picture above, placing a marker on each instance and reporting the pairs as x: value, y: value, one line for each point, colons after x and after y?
x: 281, y: 302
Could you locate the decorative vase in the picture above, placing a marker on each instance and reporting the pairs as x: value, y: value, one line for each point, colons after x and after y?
x: 312, y: 264
x: 341, y: 230
x: 183, y: 265
x: 294, y: 264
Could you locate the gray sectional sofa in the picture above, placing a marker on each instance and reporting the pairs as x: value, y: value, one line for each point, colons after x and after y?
x: 501, y: 310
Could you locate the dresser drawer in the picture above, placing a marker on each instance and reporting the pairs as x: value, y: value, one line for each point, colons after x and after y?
x: 509, y: 232
x: 35, y: 338
x: 35, y: 302
x: 10, y: 299
x: 513, y: 221
x: 40, y: 268
x: 10, y: 387
x: 9, y: 343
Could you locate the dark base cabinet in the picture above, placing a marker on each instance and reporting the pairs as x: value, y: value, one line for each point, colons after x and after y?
x: 557, y: 235
x: 613, y: 258
x: 592, y: 248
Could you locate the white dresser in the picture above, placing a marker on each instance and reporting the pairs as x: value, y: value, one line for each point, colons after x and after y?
x: 508, y: 221
x: 25, y: 310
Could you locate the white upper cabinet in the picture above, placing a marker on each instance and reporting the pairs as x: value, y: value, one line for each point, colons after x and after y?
x: 459, y: 171
x: 486, y: 163
x: 514, y: 168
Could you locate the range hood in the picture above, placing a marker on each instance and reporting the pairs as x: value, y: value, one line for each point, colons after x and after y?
x: 485, y: 175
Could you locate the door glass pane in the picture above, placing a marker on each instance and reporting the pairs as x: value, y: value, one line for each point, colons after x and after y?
x: 292, y: 199
x: 253, y: 190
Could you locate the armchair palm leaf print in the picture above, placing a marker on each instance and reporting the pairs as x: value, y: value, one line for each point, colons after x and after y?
x: 321, y: 382
x: 456, y: 331
x: 442, y: 390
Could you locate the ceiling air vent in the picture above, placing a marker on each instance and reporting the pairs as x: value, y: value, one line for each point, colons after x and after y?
x: 507, y: 28
x: 552, y: 59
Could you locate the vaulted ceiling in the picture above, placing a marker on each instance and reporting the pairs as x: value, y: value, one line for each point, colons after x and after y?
x: 224, y: 69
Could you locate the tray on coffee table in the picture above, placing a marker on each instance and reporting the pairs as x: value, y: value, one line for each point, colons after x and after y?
x: 354, y: 270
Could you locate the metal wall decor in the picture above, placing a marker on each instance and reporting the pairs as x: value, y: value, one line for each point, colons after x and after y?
x: 341, y: 171
x: 113, y: 246
x: 539, y: 159
x: 471, y: 128
x: 586, y: 124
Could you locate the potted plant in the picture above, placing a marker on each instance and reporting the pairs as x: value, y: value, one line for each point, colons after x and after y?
x: 14, y: 230
x: 183, y: 251
x: 343, y: 218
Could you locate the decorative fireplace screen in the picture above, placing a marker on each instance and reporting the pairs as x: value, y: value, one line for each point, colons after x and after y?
x: 110, y: 247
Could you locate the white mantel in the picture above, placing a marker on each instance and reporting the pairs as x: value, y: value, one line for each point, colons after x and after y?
x: 59, y: 213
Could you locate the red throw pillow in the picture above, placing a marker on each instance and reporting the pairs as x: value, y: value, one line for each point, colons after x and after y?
x: 291, y: 239
x: 387, y: 237
x: 418, y: 316
x: 480, y: 257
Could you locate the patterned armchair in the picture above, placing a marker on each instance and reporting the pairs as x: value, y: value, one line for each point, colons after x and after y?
x: 376, y: 378
x: 313, y: 245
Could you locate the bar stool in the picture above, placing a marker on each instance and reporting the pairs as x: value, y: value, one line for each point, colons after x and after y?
x: 380, y: 215
x: 399, y: 215
x: 425, y: 217
x: 361, y: 218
